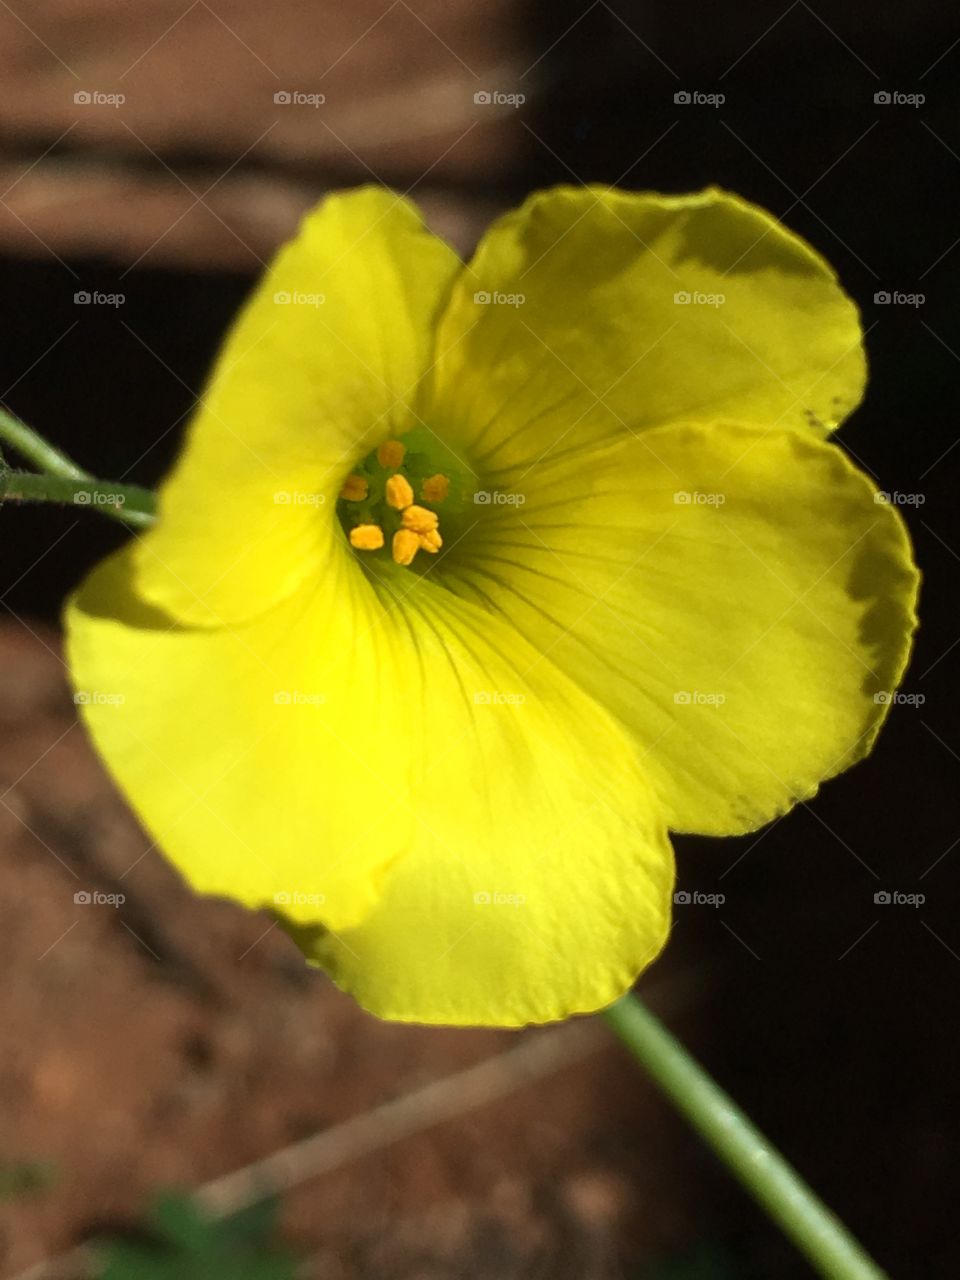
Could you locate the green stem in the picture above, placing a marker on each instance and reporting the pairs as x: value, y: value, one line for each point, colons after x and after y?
x: 781, y: 1191
x: 64, y: 482
x: 127, y: 502
x: 35, y: 449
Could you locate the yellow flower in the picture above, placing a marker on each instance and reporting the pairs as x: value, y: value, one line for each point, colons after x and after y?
x: 658, y: 596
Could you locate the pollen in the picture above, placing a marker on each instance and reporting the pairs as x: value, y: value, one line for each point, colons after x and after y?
x: 390, y: 502
x: 355, y: 488
x: 390, y: 454
x: 406, y: 544
x: 435, y: 488
x: 399, y: 493
x: 420, y: 520
x: 366, y: 537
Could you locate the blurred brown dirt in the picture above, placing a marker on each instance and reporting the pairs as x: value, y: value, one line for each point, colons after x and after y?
x: 172, y: 1039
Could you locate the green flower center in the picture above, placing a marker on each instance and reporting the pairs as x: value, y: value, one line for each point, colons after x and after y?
x: 392, y: 506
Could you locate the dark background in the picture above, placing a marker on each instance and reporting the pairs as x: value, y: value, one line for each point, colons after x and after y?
x: 833, y: 1020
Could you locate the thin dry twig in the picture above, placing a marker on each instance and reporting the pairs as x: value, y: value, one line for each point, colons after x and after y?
x: 539, y: 1054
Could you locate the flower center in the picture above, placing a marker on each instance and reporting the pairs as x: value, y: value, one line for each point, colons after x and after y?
x: 392, y: 504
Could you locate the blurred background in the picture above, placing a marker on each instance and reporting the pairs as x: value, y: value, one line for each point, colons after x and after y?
x: 159, y: 152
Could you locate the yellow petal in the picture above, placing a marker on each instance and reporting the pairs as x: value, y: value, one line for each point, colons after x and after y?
x: 249, y: 752
x: 735, y: 596
x: 566, y: 327
x: 451, y: 825
x: 322, y: 363
x: 539, y: 878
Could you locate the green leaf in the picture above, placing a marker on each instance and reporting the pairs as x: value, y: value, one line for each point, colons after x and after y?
x: 175, y: 1219
x: 180, y: 1242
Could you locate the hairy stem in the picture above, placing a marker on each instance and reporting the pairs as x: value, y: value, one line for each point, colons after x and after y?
x: 800, y: 1214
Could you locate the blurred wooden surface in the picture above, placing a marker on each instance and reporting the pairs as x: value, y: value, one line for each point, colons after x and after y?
x: 79, y: 208
x: 196, y: 135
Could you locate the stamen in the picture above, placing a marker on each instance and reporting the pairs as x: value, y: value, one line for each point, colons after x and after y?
x: 355, y: 488
x: 390, y: 453
x: 431, y: 541
x: 406, y: 544
x: 398, y: 492
x: 366, y: 537
x: 419, y: 519
x: 391, y: 502
x: 435, y: 488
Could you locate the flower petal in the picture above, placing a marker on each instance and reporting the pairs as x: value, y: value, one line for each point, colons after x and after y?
x: 539, y: 880
x: 565, y: 329
x: 322, y: 363
x: 736, y: 597
x: 251, y: 753
x: 453, y: 828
